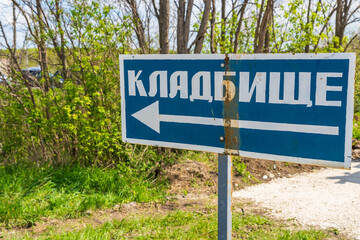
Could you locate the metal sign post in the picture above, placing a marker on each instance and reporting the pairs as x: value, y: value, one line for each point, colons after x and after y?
x: 224, y: 197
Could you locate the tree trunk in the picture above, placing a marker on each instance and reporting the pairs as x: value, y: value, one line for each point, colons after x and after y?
x: 164, y: 12
x: 139, y: 26
x: 183, y: 25
x: 267, y: 41
x: 238, y: 28
x: 267, y: 34
x: 343, y: 16
x: 258, y: 22
x: 338, y: 23
x: 223, y: 25
x: 180, y: 27
x: 213, y: 45
x: 262, y: 30
x: 42, y: 51
x: 202, y: 30
x: 61, y: 54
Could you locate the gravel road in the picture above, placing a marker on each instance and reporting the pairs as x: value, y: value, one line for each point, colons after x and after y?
x: 327, y: 198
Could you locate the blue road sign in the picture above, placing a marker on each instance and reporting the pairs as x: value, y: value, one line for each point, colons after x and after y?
x: 283, y: 107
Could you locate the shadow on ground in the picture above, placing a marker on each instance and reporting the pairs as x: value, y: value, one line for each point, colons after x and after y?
x: 348, y: 177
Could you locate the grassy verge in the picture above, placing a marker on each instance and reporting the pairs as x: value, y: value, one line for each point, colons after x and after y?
x: 28, y: 193
x: 184, y: 225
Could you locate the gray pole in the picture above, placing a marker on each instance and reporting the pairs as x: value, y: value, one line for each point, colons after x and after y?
x: 224, y: 197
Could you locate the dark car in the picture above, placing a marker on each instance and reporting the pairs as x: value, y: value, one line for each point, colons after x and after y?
x: 32, y: 76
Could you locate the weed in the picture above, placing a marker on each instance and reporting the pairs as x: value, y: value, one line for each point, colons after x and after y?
x: 240, y: 168
x: 336, y: 231
x: 209, y: 183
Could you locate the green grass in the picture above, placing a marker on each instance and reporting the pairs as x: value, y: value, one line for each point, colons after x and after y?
x: 28, y: 193
x: 184, y: 225
x: 356, y: 126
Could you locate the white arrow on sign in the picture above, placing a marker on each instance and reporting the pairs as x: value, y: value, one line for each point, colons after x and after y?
x: 150, y: 117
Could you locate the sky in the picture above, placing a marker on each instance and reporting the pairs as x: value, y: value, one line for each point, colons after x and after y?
x: 6, y: 19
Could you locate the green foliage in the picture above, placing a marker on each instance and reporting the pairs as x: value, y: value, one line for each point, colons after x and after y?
x: 240, y: 168
x: 295, y: 31
x: 356, y: 131
x: 292, y: 29
x: 197, y: 225
x: 356, y: 126
x: 355, y: 47
x: 28, y: 193
x: 79, y: 122
x: 226, y: 42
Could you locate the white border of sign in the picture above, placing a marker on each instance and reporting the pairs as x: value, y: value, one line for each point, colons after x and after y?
x: 349, y: 107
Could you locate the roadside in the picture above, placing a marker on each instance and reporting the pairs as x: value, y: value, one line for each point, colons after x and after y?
x: 188, y: 211
x: 190, y: 217
x: 326, y: 198
x: 201, y: 175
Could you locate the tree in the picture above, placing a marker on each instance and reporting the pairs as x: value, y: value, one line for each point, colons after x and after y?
x: 162, y: 14
x: 223, y: 26
x: 262, y: 27
x: 213, y: 45
x: 139, y: 26
x: 199, y: 40
x: 183, y: 25
x: 239, y: 24
x: 344, y: 16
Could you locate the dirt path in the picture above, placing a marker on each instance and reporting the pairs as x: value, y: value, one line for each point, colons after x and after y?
x: 328, y: 198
